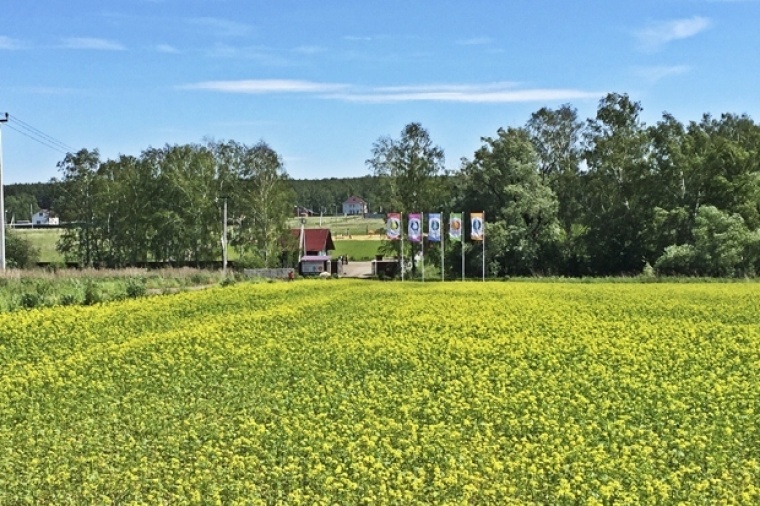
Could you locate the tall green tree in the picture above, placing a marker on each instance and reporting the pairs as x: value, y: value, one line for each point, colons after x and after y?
x: 411, y: 169
x: 77, y: 206
x: 617, y: 210
x: 504, y: 181
x: 262, y: 197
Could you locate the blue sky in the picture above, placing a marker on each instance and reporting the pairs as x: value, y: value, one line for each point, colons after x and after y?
x: 321, y: 81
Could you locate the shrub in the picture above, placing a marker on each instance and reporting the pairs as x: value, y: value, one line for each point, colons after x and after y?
x: 20, y: 253
x: 92, y: 294
x: 135, y: 288
x: 31, y: 300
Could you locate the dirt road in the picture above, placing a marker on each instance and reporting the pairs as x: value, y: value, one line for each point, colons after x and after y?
x: 357, y: 270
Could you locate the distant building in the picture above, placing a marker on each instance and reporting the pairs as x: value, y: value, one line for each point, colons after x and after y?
x: 44, y: 217
x: 303, y: 211
x: 317, y: 244
x: 355, y: 205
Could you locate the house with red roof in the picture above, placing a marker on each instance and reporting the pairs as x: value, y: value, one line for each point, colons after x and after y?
x: 316, y: 247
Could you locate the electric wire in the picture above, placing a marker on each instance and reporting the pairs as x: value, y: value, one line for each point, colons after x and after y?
x: 39, y: 140
x: 36, y: 131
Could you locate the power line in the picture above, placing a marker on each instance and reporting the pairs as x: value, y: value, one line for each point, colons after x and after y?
x: 40, y: 133
x: 37, y: 139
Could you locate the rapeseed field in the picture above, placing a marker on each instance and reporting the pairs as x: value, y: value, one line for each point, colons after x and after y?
x: 360, y: 392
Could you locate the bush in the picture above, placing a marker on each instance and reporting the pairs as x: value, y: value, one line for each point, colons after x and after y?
x: 135, y: 288
x: 678, y: 260
x: 20, y: 253
x: 68, y: 299
x: 92, y: 294
x: 31, y: 300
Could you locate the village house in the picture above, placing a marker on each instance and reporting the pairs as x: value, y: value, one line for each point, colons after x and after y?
x: 355, y: 205
x: 314, y: 250
x: 44, y: 217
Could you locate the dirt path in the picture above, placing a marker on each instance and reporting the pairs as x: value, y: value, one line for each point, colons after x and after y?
x: 357, y: 270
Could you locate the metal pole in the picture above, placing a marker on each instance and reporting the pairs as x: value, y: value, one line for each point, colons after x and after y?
x: 422, y: 245
x: 484, y: 246
x: 2, y: 201
x: 224, y: 240
x: 443, y: 249
x: 462, y: 227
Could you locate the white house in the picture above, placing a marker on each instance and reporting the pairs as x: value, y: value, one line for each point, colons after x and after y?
x: 355, y: 205
x: 44, y: 217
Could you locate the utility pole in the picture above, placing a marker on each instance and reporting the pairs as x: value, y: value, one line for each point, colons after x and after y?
x: 224, y: 239
x: 2, y: 200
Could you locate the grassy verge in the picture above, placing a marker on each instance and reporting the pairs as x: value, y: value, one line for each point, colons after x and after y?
x: 356, y: 250
x: 44, y: 240
x: 342, y: 226
x: 45, y: 288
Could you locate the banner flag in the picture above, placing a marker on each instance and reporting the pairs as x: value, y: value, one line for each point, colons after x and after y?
x: 393, y: 226
x: 434, y: 227
x: 476, y: 226
x: 455, y: 226
x: 415, y: 227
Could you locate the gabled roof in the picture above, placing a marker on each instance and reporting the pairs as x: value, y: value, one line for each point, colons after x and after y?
x: 353, y: 199
x: 316, y: 239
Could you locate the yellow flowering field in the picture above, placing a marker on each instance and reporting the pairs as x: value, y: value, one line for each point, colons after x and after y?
x: 361, y: 392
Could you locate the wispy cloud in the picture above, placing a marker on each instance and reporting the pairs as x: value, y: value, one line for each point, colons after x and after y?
x: 309, y: 50
x: 92, y: 43
x: 166, y: 48
x: 9, y: 43
x: 222, y: 27
x: 656, y: 35
x: 659, y: 72
x: 475, y: 41
x: 499, y: 92
x: 473, y: 95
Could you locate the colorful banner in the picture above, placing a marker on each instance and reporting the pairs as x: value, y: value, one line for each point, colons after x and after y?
x: 434, y: 227
x: 415, y: 227
x: 393, y: 226
x: 477, y: 229
x: 455, y: 226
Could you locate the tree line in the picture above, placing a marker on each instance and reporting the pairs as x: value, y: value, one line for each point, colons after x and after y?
x: 605, y: 196
x: 608, y: 195
x: 167, y: 204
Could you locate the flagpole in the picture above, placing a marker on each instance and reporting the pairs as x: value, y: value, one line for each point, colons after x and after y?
x: 484, y: 246
x: 422, y: 244
x: 401, y: 235
x: 443, y: 250
x: 462, y: 227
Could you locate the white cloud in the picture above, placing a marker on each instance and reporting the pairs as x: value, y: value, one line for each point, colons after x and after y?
x: 309, y: 50
x: 472, y: 96
x: 475, y: 41
x: 92, y: 43
x: 8, y: 43
x: 166, y: 48
x: 357, y: 38
x: 657, y: 35
x: 499, y: 92
x: 222, y: 27
x: 658, y: 72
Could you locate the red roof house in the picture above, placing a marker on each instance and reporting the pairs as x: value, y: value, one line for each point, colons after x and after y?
x: 318, y: 241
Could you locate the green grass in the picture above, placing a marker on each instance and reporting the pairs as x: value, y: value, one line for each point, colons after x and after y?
x: 44, y: 239
x: 357, y: 250
x: 341, y: 226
